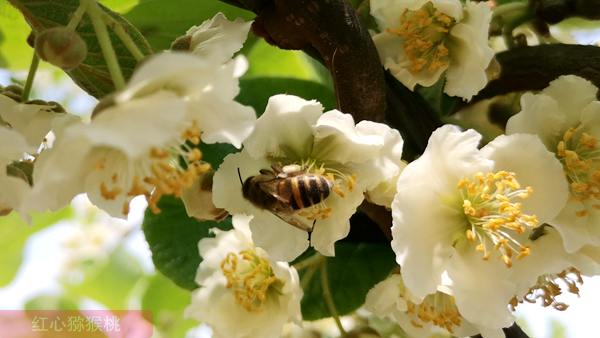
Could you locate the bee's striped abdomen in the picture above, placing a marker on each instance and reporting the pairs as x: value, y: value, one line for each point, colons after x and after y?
x: 307, y: 190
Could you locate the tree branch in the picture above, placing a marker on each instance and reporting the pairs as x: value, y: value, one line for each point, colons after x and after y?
x: 532, y: 68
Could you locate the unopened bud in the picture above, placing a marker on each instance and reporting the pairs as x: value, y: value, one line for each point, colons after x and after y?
x: 61, y: 47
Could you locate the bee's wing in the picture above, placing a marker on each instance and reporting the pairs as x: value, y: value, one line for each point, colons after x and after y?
x: 290, y: 218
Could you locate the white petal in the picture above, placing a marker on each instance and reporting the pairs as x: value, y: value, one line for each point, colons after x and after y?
x: 338, y: 139
x: 337, y: 226
x: 281, y: 240
x: 13, y: 146
x: 482, y: 289
x: 470, y: 53
x: 127, y: 126
x: 198, y: 202
x: 572, y: 93
x: 285, y: 128
x: 225, y: 122
x: 384, y: 299
x: 534, y: 166
x: 577, y: 231
x: 539, y: 115
x: 12, y: 193
x: 218, y: 38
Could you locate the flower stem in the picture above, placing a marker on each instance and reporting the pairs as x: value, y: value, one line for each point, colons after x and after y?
x: 509, y: 8
x: 35, y: 61
x: 125, y: 38
x: 77, y: 16
x: 108, y: 51
x: 310, y: 261
x: 329, y: 298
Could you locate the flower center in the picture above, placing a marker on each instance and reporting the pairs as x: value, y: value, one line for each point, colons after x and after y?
x: 164, y: 171
x: 250, y: 277
x: 438, y: 309
x: 580, y: 156
x: 424, y: 32
x: 492, y: 213
x: 548, y: 288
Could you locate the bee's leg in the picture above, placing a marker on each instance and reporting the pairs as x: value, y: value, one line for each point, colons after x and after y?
x: 310, y: 232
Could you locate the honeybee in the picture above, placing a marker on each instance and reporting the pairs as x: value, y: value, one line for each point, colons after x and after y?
x: 285, y: 191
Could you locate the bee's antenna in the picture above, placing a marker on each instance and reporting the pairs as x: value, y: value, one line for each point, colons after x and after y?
x: 240, y: 176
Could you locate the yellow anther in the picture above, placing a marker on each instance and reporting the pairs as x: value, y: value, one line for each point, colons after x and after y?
x: 109, y: 194
x: 424, y: 32
x: 549, y: 287
x: 493, y: 215
x: 250, y: 277
x: 438, y: 309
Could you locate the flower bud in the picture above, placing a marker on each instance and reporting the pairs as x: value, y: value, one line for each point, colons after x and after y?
x: 61, y: 47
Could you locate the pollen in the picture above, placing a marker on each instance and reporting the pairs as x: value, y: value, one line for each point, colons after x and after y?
x: 579, y: 154
x: 167, y: 170
x: 549, y: 287
x: 250, y: 278
x: 424, y: 33
x: 494, y: 215
x: 438, y: 309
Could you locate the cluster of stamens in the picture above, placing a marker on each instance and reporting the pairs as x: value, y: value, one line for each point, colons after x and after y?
x: 438, y: 309
x: 492, y: 213
x: 166, y: 171
x: 579, y: 153
x: 424, y: 32
x: 548, y: 288
x: 250, y: 277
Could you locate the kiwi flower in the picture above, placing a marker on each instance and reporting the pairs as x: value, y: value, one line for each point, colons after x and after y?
x: 354, y: 158
x: 566, y: 117
x: 465, y: 215
x: 243, y: 293
x: 421, y: 40
x: 145, y: 142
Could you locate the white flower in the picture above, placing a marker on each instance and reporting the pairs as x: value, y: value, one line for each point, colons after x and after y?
x: 566, y: 117
x: 141, y: 145
x: 33, y: 121
x: 295, y: 133
x: 243, y: 293
x: 421, y: 39
x: 13, y: 146
x: 218, y: 38
x: 457, y: 204
x: 197, y: 200
x: 435, y: 314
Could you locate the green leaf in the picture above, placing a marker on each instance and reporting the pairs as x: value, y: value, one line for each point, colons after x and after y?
x: 255, y: 92
x: 15, y: 53
x: 161, y: 22
x: 167, y: 301
x: 354, y: 270
x: 173, y: 238
x: 14, y: 233
x: 267, y: 60
x: 92, y: 75
x: 109, y: 282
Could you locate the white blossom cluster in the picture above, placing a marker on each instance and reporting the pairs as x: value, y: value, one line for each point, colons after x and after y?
x: 476, y: 230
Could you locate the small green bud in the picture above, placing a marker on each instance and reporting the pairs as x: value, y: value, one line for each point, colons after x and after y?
x: 61, y: 47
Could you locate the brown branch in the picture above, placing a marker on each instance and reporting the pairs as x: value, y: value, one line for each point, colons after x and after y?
x: 532, y: 68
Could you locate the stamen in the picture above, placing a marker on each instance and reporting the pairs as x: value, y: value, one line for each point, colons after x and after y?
x: 492, y: 213
x: 549, y: 287
x: 250, y: 277
x: 438, y: 309
x: 580, y: 156
x: 424, y: 32
x: 165, y: 171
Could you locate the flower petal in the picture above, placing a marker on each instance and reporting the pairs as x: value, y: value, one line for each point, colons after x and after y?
x: 470, y: 53
x: 285, y: 128
x: 535, y: 166
x: 572, y: 93
x: 218, y: 38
